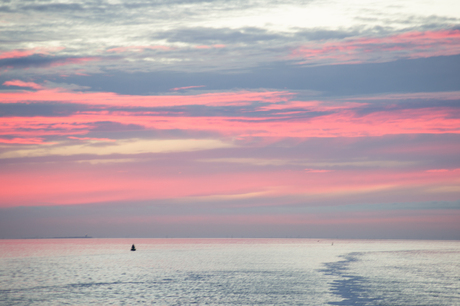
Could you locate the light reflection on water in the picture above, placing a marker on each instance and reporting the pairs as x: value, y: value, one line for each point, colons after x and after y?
x: 229, y: 272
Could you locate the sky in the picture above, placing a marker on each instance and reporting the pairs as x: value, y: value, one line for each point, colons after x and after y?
x: 209, y: 118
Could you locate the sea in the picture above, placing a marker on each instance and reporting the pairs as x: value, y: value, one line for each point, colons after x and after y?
x: 316, y: 272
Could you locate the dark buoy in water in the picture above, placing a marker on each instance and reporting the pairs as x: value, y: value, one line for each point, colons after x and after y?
x: 133, y: 248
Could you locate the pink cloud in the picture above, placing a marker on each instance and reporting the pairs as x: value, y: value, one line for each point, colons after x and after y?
x: 35, y: 140
x: 91, y: 138
x: 442, y: 170
x: 85, y: 187
x: 46, y: 51
x: 20, y: 83
x: 25, y: 53
x: 16, y: 53
x: 447, y: 95
x: 77, y: 183
x: 42, y: 126
x: 380, y: 49
x: 103, y: 98
x: 74, y: 61
x: 338, y: 121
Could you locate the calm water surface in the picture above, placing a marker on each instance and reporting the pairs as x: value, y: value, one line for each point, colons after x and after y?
x: 229, y: 272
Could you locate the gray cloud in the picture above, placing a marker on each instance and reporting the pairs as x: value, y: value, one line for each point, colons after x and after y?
x: 176, y: 24
x: 213, y: 35
x: 253, y: 35
x: 37, y: 60
x: 40, y: 109
x: 108, y: 126
x: 116, y: 221
x: 416, y: 75
x: 409, y: 152
x: 53, y: 7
